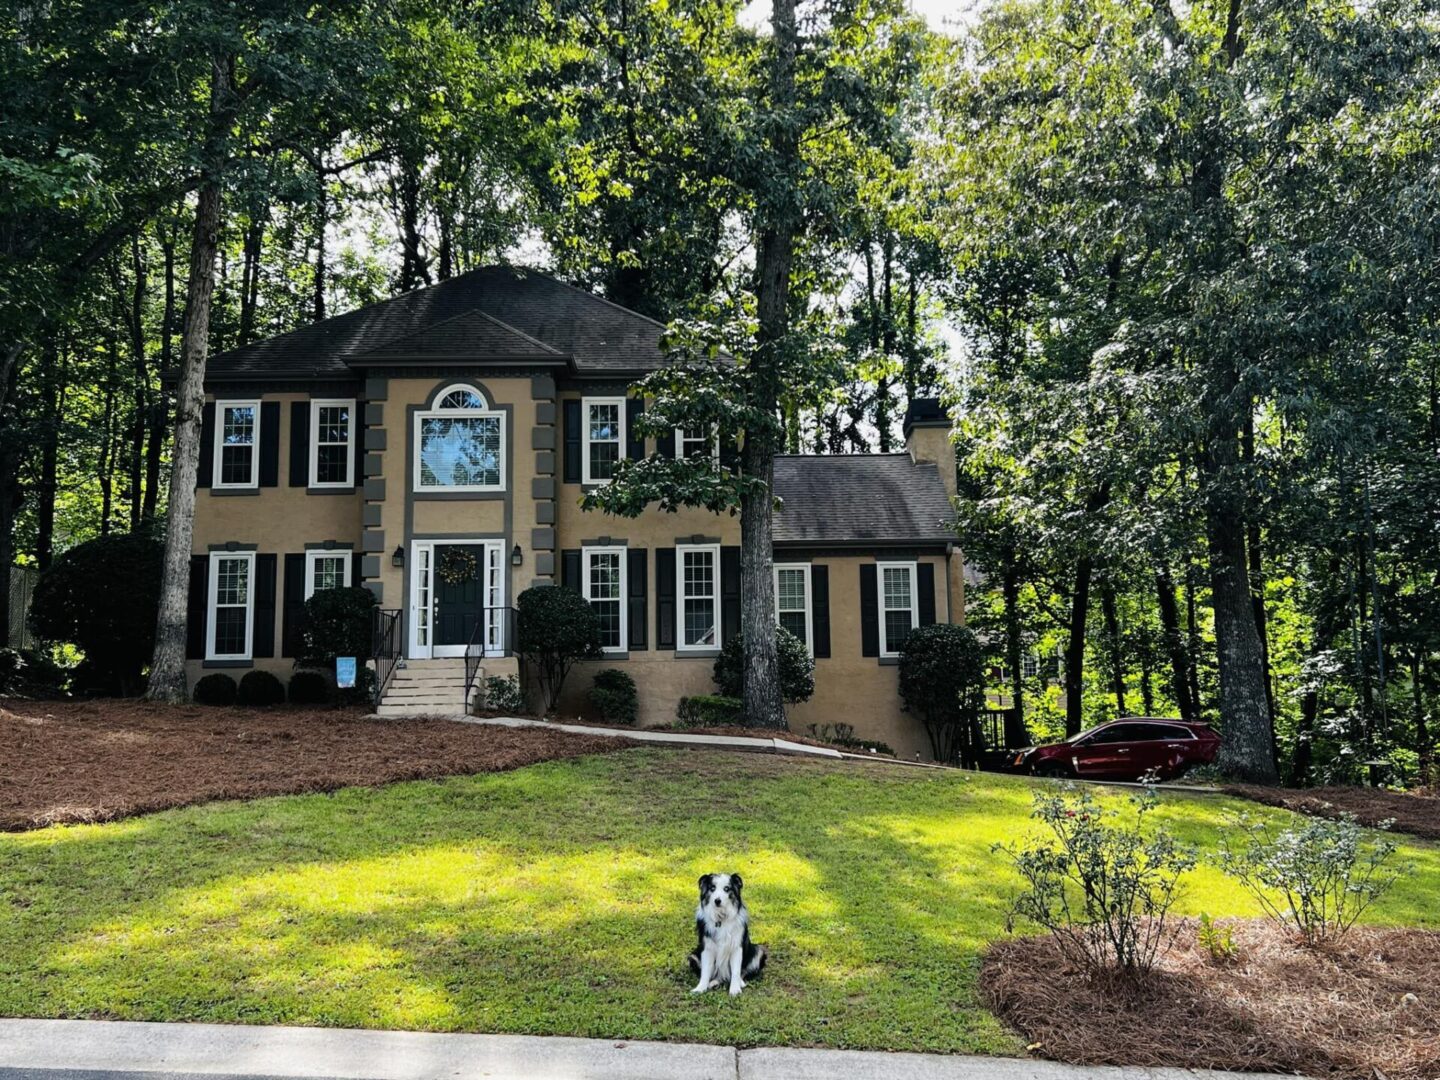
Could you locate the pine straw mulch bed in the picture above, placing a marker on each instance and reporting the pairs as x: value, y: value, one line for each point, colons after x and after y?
x: 1340, y: 1011
x: 1416, y: 814
x: 107, y: 759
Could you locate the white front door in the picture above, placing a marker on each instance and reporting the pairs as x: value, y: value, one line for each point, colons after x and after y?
x: 455, y: 585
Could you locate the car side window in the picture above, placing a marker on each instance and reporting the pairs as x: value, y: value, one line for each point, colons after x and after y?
x: 1160, y: 733
x: 1117, y: 734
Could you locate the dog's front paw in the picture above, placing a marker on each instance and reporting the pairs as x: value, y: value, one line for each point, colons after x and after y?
x: 736, y: 988
x: 699, y: 989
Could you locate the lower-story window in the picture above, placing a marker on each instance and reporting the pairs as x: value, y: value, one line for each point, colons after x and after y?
x: 326, y: 570
x: 232, y: 605
x: 898, y: 611
x: 605, y: 589
x: 698, y: 568
x: 792, y: 600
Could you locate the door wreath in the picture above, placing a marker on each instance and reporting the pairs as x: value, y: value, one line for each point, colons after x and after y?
x: 457, y: 565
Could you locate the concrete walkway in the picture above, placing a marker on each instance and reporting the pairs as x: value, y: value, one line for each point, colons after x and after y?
x: 115, y: 1050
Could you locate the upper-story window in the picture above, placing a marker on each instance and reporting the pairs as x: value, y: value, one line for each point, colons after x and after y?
x: 459, y: 444
x: 605, y: 589
x: 604, y: 438
x: 237, y: 437
x: 697, y: 444
x: 899, y: 611
x: 332, y: 449
x: 792, y: 600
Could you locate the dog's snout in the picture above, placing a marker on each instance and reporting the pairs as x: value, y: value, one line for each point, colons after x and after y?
x: 719, y: 901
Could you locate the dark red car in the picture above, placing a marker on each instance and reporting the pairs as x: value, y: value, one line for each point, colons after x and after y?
x: 1124, y: 750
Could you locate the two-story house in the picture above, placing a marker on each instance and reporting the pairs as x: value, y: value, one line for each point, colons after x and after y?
x: 434, y: 448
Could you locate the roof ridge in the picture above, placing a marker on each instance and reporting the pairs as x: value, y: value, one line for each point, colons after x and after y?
x: 390, y: 343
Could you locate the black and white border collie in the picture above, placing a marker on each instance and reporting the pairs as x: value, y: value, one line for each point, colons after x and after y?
x: 723, y: 950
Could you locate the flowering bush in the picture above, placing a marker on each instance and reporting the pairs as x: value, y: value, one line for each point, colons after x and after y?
x: 1315, y: 877
x: 1102, y: 888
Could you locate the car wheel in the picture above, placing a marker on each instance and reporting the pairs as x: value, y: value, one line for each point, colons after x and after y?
x: 1051, y: 771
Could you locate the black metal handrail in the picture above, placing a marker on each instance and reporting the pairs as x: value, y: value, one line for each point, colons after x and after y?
x: 386, y: 648
x: 479, y: 643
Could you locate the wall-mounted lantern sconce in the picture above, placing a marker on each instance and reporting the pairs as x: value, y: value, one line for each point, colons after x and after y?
x: 516, y: 556
x: 397, y: 560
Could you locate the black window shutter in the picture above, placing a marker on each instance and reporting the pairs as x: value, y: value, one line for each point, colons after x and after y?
x: 269, y: 444
x: 925, y: 584
x: 207, y: 446
x: 729, y: 593
x: 666, y: 614
x: 665, y: 444
x: 820, y: 608
x: 196, y: 604
x: 729, y: 452
x: 572, y: 472
x: 293, y: 613
x: 264, y: 643
x: 299, y: 444
x: 638, y: 590
x: 869, y: 612
x: 570, y: 570
x: 357, y: 425
x: 357, y: 560
x: 634, y: 442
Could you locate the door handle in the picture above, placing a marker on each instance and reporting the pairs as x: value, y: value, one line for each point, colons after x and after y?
x: 1123, y: 750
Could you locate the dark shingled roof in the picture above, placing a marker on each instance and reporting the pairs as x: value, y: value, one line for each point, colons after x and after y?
x: 841, y: 498
x: 494, y: 313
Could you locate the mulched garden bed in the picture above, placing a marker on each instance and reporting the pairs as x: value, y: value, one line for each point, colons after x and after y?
x: 1342, y: 1011
x: 106, y: 759
x: 1418, y: 815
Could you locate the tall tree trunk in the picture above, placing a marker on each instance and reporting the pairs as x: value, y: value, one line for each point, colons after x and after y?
x: 775, y: 255
x: 250, y: 273
x: 106, y: 469
x: 49, y: 487
x: 1192, y: 637
x: 1016, y: 735
x: 159, y: 406
x: 167, y: 669
x: 135, y: 460
x: 1112, y: 638
x: 1075, y: 647
x: 1423, y: 745
x: 1174, y: 645
x: 1257, y: 564
x: 884, y: 400
x: 322, y: 215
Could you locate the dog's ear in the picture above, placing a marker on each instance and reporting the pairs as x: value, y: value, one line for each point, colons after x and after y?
x: 735, y: 880
x: 707, y: 882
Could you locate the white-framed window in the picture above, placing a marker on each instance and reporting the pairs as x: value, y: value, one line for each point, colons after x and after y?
x: 232, y: 605
x: 237, y: 444
x: 697, y: 444
x: 1030, y: 666
x: 697, y: 568
x: 326, y: 570
x: 792, y: 601
x: 604, y: 574
x: 899, y: 609
x: 459, y: 444
x: 332, y: 443
x: 603, y: 438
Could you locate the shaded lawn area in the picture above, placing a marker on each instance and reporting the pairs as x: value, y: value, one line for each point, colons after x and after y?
x: 114, y: 758
x: 557, y: 899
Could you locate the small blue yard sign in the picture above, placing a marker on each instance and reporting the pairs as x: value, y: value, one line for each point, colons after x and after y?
x: 345, y: 672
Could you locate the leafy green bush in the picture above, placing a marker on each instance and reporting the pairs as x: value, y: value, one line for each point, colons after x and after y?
x: 614, y: 697
x: 1103, y: 890
x: 1315, y: 877
x: 502, y: 695
x: 309, y: 688
x: 29, y: 671
x: 555, y: 627
x: 709, y: 710
x: 942, y: 681
x: 363, y: 692
x: 216, y: 688
x: 842, y: 734
x: 797, y: 667
x: 103, y: 596
x: 337, y: 622
x: 259, y: 689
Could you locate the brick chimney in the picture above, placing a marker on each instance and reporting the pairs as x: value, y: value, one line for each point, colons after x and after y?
x: 927, y: 438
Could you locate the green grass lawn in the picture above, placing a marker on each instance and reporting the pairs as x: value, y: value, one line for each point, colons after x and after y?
x: 557, y: 899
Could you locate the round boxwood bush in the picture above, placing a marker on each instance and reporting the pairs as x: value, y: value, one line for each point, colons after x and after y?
x: 554, y: 628
x: 309, y: 688
x: 102, y: 596
x: 260, y: 688
x: 614, y: 697
x: 797, y: 667
x: 337, y: 622
x: 942, y: 681
x: 216, y: 689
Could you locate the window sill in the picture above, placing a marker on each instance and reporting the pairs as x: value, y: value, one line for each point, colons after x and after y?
x: 235, y: 490
x: 696, y: 654
x: 889, y: 661
x: 227, y: 663
x: 332, y: 489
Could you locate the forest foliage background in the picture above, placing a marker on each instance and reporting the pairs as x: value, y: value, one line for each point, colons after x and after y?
x: 1175, y: 265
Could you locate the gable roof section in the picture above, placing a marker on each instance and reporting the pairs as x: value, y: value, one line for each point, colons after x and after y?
x: 502, y: 306
x: 859, y: 498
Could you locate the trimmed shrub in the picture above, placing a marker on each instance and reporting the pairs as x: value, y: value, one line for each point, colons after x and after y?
x: 363, y: 692
x: 337, y: 622
x: 614, y: 696
x: 555, y: 627
x: 942, y: 680
x: 29, y: 671
x: 259, y: 689
x: 102, y: 596
x: 709, y: 710
x: 503, y: 695
x: 797, y: 667
x: 216, y: 688
x: 309, y: 688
